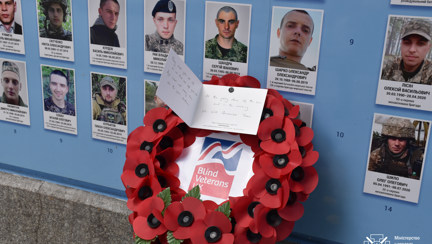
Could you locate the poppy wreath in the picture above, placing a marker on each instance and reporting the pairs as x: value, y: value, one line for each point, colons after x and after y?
x: 283, y: 178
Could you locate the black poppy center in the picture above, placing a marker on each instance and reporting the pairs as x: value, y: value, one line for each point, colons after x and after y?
x: 278, y: 135
x: 185, y: 219
x: 266, y: 113
x: 251, y: 208
x: 142, y: 170
x: 302, y: 151
x: 145, y: 192
x: 297, y: 174
x: 272, y: 186
x: 159, y: 125
x: 153, y: 222
x: 162, y: 161
x: 166, y: 142
x: 280, y: 161
x: 253, y: 237
x: 147, y: 146
x: 297, y: 130
x: 162, y: 181
x: 273, y: 218
x: 213, y: 234
x: 286, y: 112
x: 292, y: 198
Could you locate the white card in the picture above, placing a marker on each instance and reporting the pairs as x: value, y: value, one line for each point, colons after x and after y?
x: 221, y: 108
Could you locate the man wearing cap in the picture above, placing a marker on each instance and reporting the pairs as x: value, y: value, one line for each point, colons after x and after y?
x: 412, y: 66
x: 164, y: 18
x: 55, y: 12
x: 11, y: 84
x: 106, y: 105
x: 7, y: 17
x: 295, y: 36
x: 397, y: 155
x: 224, y: 46
x: 59, y: 87
x: 103, y: 30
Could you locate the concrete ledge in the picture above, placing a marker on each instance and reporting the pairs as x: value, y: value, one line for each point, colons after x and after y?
x: 35, y: 211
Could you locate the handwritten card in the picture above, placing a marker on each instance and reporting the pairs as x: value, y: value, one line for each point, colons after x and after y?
x: 221, y: 108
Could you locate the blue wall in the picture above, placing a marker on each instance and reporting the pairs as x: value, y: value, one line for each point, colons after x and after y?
x: 338, y: 210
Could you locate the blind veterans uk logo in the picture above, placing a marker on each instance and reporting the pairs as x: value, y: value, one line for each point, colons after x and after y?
x: 216, y: 167
x: 376, y: 239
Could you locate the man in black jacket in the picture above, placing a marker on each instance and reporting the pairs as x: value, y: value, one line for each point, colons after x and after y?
x: 7, y: 17
x: 103, y: 30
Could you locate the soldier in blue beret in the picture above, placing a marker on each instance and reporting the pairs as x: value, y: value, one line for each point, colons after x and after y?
x: 164, y: 18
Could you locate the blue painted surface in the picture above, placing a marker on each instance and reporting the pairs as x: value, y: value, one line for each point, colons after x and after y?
x: 337, y: 211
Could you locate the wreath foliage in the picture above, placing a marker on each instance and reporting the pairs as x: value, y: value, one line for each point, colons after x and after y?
x: 283, y: 178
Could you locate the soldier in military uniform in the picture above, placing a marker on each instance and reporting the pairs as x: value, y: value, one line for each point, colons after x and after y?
x: 103, y: 30
x: 412, y: 66
x: 295, y: 35
x: 162, y: 40
x: 224, y: 46
x: 106, y: 105
x: 55, y: 12
x: 59, y: 87
x: 11, y: 83
x: 397, y: 155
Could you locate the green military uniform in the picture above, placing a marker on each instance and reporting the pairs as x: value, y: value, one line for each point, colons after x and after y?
x: 20, y: 102
x: 155, y: 43
x: 60, y: 34
x: 283, y: 62
x: 237, y: 53
x: 393, y: 70
x: 408, y: 162
x: 48, y: 31
x: 113, y: 113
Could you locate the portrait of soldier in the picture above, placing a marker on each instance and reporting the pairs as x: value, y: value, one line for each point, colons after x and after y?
x: 11, y: 84
x: 397, y: 155
x: 224, y: 46
x: 7, y: 17
x: 59, y: 88
x: 103, y: 31
x: 412, y: 65
x: 295, y: 35
x: 56, y: 12
x: 164, y: 18
x: 107, y: 106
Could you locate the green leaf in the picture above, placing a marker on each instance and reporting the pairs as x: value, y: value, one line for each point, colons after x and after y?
x: 166, y: 197
x: 138, y: 240
x: 172, y: 240
x: 194, y: 192
x: 225, y: 209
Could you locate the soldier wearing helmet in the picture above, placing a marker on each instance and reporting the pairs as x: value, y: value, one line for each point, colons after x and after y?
x: 412, y: 65
x: 107, y: 106
x: 55, y: 12
x: 397, y: 154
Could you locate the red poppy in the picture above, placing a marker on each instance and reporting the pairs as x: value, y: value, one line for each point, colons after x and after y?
x: 247, y: 81
x: 214, y: 228
x: 277, y: 166
x: 252, y: 141
x: 303, y: 179
x: 214, y: 81
x: 272, y: 107
x: 244, y: 235
x: 148, y: 188
x: 292, y: 211
x: 149, y: 222
x: 310, y: 157
x: 291, y: 111
x: 276, y: 134
x: 171, y: 143
x: 271, y: 192
x: 166, y: 161
x: 228, y: 80
x: 166, y: 179
x: 270, y: 223
x: 181, y: 217
x: 159, y: 121
x: 138, y: 140
x: 136, y: 169
x: 243, y: 210
x: 177, y: 194
x: 304, y: 134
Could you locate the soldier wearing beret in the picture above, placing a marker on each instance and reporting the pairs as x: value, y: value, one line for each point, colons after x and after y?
x: 11, y: 83
x: 103, y: 31
x: 397, y: 154
x: 106, y: 105
x: 164, y: 18
x: 55, y: 12
x: 224, y: 46
x: 412, y: 66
